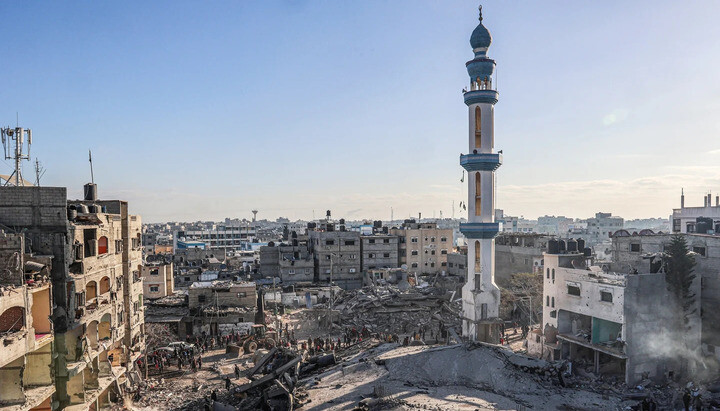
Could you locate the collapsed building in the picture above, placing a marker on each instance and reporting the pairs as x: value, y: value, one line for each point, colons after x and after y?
x: 93, y: 250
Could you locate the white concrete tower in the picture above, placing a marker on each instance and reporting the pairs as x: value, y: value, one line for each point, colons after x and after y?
x: 481, y: 297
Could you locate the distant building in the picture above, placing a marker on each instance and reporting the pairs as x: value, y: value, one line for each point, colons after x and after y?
x: 158, y: 281
x: 601, y: 227
x: 702, y: 220
x: 423, y: 247
x: 231, y: 238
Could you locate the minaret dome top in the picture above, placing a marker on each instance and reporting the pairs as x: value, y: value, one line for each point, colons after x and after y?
x: 480, y: 39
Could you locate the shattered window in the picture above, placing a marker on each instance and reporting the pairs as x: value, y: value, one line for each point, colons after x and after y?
x: 573, y: 290
x: 606, y: 296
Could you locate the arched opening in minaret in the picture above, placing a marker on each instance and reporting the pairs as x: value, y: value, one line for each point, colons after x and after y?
x: 478, y: 127
x: 478, y: 191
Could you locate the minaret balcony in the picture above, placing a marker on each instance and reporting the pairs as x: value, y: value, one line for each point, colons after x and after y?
x: 477, y: 231
x: 481, y: 96
x: 481, y: 161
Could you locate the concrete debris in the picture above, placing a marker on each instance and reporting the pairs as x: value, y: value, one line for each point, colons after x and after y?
x: 391, y: 311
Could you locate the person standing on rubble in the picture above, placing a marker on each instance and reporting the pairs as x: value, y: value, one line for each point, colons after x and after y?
x: 228, y: 384
x: 237, y: 372
x: 193, y: 365
x: 199, y: 362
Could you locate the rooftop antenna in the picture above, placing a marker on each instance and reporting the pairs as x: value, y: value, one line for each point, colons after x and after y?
x: 16, y: 136
x: 39, y: 172
x: 92, y: 177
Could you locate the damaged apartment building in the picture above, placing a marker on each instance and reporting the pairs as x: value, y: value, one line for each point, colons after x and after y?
x: 607, y: 320
x: 216, y: 307
x: 26, y: 331
x: 93, y: 251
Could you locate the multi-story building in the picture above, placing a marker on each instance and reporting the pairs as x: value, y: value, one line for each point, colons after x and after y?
x: 336, y: 255
x: 158, y: 280
x: 557, y: 226
x: 423, y: 247
x: 611, y: 321
x: 379, y: 251
x: 703, y: 220
x: 218, y: 306
x: 25, y: 327
x: 96, y: 286
x: 601, y: 227
x: 220, y: 236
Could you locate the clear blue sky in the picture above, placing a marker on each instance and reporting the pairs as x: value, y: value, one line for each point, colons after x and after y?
x: 205, y: 110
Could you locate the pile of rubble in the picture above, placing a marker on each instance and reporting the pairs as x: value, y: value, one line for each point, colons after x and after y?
x: 387, y: 309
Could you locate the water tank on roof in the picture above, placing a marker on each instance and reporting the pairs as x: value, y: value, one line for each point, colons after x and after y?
x: 703, y: 225
x: 587, y: 251
x: 572, y: 246
x: 271, y: 244
x: 82, y: 209
x: 342, y: 221
x: 94, y: 208
x: 580, y: 244
x: 72, y: 213
x: 562, y: 246
x: 90, y: 192
x: 553, y: 247
x: 377, y: 224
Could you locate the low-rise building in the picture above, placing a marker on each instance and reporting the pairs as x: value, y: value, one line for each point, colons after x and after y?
x: 158, y: 280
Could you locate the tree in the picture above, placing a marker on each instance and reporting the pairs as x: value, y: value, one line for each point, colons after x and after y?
x: 521, y: 289
x: 679, y: 276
